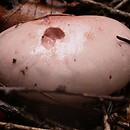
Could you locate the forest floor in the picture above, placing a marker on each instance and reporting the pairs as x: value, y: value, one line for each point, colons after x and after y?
x: 112, y: 112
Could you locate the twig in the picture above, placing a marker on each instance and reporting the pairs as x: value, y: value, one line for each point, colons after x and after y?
x: 2, y: 85
x: 122, y: 3
x: 11, y: 126
x: 51, y: 7
x: 17, y: 112
x: 15, y: 11
x: 114, y: 2
x: 58, y: 4
x: 9, y: 90
x: 109, y: 9
x: 123, y: 39
x: 106, y: 123
x: 124, y: 125
x: 10, y: 15
x: 26, y: 117
x: 36, y: 5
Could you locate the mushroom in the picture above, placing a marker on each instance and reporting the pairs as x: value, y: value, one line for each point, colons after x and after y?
x: 66, y: 54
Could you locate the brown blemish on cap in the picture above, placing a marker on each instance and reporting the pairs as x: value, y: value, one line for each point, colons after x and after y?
x: 74, y: 60
x: 23, y: 71
x: 89, y: 35
x: 14, y: 61
x: 119, y: 44
x: 110, y: 77
x: 101, y: 29
x: 50, y: 36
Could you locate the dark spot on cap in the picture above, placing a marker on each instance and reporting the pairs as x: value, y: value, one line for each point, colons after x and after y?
x: 61, y: 89
x: 14, y: 61
x: 74, y: 60
x: 101, y: 29
x: 35, y: 84
x: 119, y: 44
x: 23, y: 72
x: 26, y: 68
x: 50, y: 36
x: 110, y: 77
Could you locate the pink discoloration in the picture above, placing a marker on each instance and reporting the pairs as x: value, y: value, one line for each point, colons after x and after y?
x: 50, y: 36
x: 101, y: 29
x: 47, y: 42
x: 54, y: 33
x: 89, y: 35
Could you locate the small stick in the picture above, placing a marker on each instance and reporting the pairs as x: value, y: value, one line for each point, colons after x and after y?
x: 107, y: 8
x: 122, y: 3
x: 113, y: 2
x: 9, y: 110
x: 2, y: 85
x: 10, y: 15
x: 58, y: 4
x: 124, y: 125
x: 15, y: 11
x: 11, y: 126
x: 9, y: 90
x: 51, y: 6
x: 106, y: 124
x: 123, y: 39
